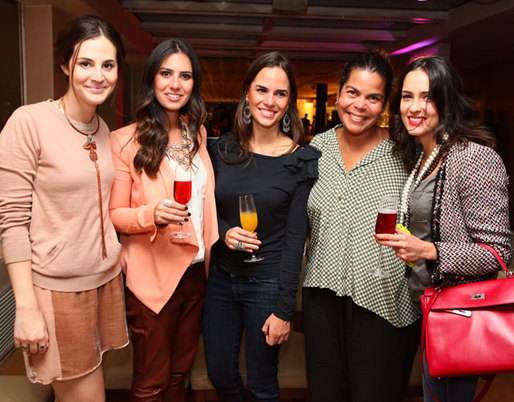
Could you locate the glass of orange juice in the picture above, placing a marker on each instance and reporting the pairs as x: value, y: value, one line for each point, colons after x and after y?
x: 249, y: 220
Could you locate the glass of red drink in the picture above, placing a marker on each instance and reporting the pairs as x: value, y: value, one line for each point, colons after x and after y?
x: 386, y: 223
x: 182, y: 193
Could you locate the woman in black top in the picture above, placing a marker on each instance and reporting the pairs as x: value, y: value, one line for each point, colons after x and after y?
x: 264, y: 156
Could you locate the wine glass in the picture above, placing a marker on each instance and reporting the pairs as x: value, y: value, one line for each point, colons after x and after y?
x: 248, y: 217
x: 386, y: 223
x: 182, y: 193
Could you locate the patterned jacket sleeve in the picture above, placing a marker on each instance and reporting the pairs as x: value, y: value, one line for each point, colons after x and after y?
x: 480, y: 194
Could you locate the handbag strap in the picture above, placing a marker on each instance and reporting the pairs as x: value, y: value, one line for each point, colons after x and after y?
x: 433, y: 298
x: 497, y: 256
x: 423, y: 330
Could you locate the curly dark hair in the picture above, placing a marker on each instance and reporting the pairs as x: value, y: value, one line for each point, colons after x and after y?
x: 152, y: 124
x: 458, y: 115
x: 374, y: 61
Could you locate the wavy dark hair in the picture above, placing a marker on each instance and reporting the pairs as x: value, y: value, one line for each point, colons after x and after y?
x: 80, y: 29
x: 374, y: 61
x: 243, y: 133
x: 152, y: 123
x: 458, y: 115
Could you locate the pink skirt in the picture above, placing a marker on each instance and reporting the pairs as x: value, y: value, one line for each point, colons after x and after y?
x: 82, y: 326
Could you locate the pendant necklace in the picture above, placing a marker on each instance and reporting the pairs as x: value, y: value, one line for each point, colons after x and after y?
x: 90, y: 145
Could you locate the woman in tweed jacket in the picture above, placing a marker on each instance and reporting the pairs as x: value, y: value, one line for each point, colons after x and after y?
x: 455, y: 197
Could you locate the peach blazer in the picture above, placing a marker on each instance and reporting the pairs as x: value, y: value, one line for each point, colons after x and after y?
x: 152, y: 262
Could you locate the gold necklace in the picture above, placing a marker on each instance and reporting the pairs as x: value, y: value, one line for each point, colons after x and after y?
x: 90, y: 145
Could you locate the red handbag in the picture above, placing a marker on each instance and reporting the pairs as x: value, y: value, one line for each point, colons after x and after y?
x: 468, y: 329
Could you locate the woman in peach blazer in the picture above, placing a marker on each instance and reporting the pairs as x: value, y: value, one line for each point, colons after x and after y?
x: 165, y: 275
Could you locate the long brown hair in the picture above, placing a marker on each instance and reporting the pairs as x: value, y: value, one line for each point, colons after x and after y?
x: 152, y: 124
x: 459, y: 119
x: 242, y: 132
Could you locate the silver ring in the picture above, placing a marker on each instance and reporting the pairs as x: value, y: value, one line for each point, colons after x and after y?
x: 167, y: 203
x: 239, y: 245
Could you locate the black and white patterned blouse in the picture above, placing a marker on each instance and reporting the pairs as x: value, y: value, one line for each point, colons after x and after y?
x: 342, y: 210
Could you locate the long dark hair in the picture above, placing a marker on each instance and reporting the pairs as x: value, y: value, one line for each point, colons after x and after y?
x: 459, y: 118
x: 375, y: 61
x: 242, y: 132
x: 152, y: 124
x: 81, y: 29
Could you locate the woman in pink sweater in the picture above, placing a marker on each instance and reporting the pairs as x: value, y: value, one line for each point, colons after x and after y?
x: 165, y: 274
x: 59, y: 245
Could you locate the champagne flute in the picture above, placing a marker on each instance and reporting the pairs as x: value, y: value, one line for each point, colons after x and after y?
x: 182, y: 193
x: 386, y: 223
x: 249, y: 220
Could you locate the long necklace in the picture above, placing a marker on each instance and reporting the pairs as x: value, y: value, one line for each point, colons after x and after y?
x: 180, y: 151
x: 90, y: 145
x: 428, y: 168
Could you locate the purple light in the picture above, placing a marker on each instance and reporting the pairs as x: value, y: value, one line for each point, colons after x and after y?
x: 421, y: 20
x: 415, y: 46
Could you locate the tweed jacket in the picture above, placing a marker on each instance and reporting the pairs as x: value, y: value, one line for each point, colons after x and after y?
x: 470, y: 206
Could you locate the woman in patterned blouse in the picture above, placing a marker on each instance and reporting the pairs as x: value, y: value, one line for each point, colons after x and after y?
x: 361, y: 331
x: 455, y: 197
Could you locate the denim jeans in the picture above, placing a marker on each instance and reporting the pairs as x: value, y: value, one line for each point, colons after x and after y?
x: 448, y: 389
x: 235, y: 303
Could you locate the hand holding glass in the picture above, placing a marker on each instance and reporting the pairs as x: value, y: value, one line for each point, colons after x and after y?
x: 249, y: 220
x: 182, y: 193
x: 386, y: 223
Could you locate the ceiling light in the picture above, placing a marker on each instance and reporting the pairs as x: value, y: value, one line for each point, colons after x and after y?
x: 415, y: 46
x: 421, y: 20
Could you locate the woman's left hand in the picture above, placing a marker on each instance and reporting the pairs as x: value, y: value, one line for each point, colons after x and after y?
x: 276, y: 330
x: 408, y: 247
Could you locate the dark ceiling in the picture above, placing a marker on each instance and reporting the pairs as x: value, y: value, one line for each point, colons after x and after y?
x: 319, y: 36
x: 311, y: 30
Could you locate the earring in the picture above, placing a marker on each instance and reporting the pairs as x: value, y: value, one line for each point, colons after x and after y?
x: 286, y: 123
x: 445, y: 137
x: 247, y: 116
x: 335, y: 104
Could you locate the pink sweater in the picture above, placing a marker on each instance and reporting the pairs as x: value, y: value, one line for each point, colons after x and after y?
x: 49, y: 210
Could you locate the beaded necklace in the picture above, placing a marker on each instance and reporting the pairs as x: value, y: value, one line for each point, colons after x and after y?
x: 180, y: 151
x: 412, y: 183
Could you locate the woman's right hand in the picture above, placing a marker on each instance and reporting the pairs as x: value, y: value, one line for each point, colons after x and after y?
x: 248, y: 240
x: 168, y: 211
x: 30, y: 330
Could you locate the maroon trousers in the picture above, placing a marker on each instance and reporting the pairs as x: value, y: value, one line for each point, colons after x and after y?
x: 165, y: 344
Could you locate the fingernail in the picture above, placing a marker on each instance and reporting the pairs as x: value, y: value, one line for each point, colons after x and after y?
x: 375, y: 236
x: 186, y: 219
x: 189, y: 214
x: 180, y: 223
x: 186, y: 207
